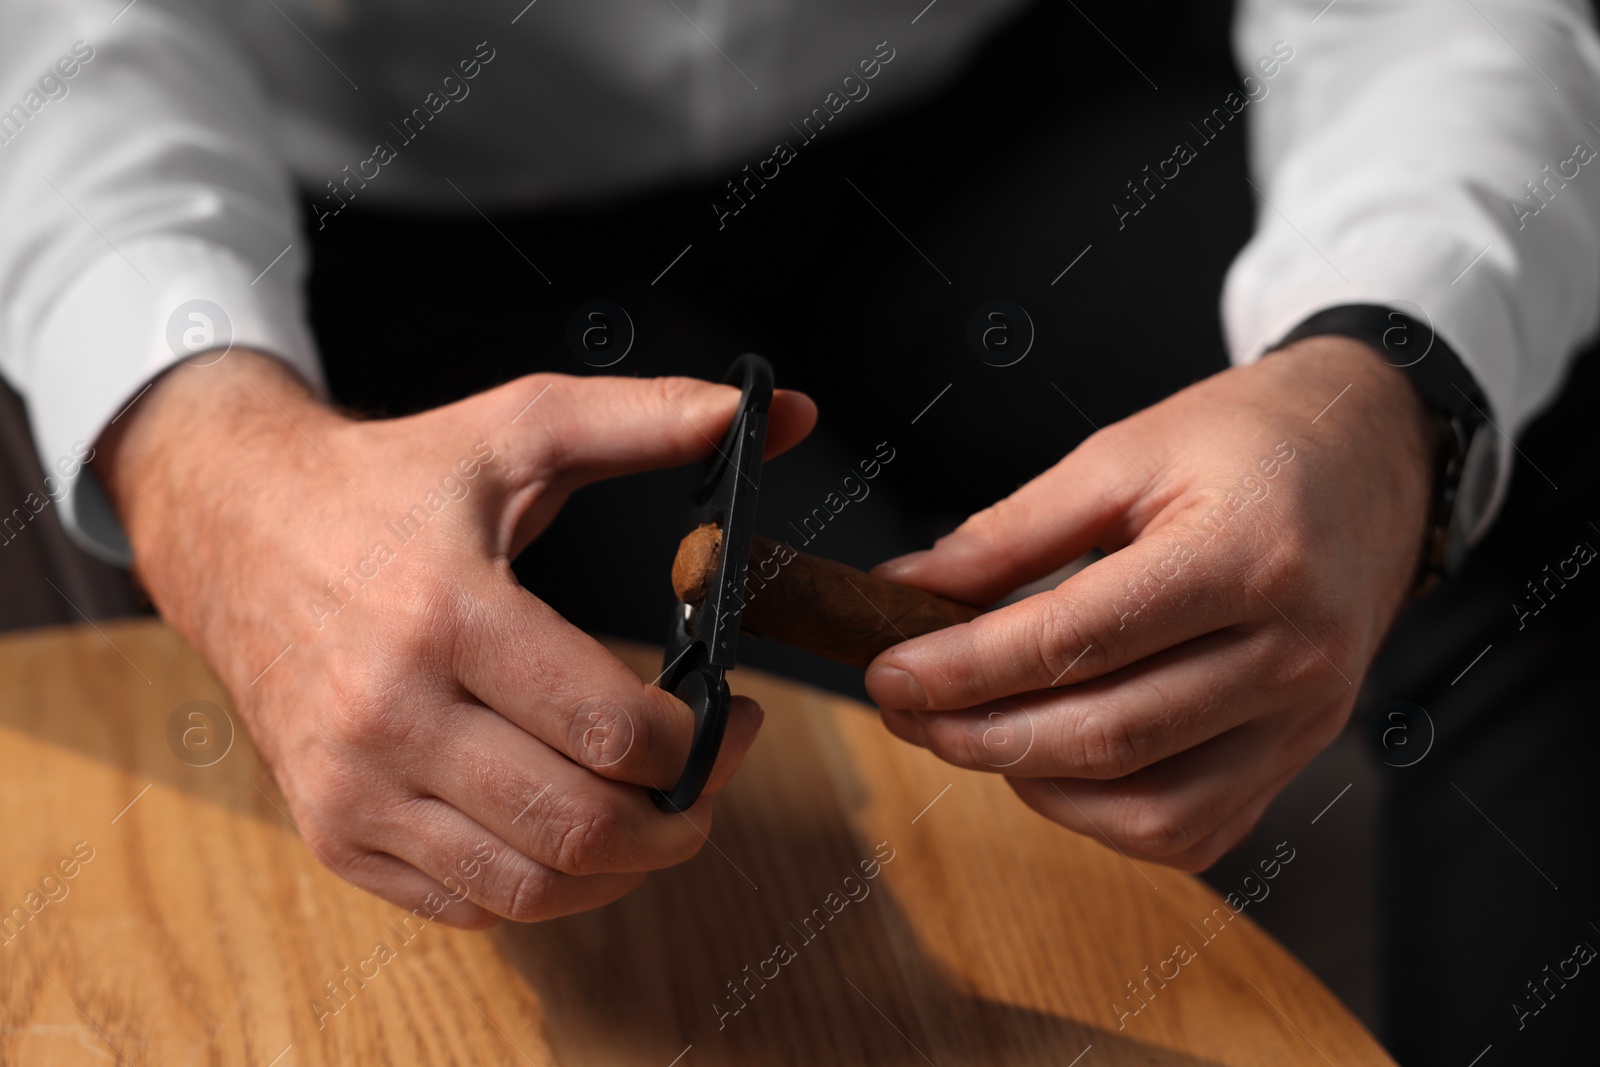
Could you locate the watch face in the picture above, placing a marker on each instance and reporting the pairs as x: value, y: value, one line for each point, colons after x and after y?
x: 1477, y: 495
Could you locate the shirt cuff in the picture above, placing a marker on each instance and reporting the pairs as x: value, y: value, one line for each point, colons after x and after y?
x: 1274, y: 286
x: 118, y: 327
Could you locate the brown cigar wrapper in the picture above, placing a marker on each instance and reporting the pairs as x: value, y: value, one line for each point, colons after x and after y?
x: 816, y: 604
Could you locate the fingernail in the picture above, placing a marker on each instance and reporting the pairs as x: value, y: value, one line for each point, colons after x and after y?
x: 900, y: 565
x: 894, y: 688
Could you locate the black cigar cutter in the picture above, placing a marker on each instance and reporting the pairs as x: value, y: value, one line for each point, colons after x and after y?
x: 703, y: 641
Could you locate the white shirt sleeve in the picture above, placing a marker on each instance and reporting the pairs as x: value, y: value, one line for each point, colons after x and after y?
x: 138, y: 175
x: 1434, y: 156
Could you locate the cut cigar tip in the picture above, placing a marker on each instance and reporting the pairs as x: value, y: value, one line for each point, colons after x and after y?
x: 814, y: 604
x: 696, y: 562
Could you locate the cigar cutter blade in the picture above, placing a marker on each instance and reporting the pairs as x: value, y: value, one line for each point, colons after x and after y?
x: 703, y: 641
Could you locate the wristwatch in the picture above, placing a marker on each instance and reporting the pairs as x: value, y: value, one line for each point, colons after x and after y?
x: 1468, y: 459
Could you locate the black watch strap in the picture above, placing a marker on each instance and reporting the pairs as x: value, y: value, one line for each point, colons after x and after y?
x: 1449, y: 390
x: 1444, y: 381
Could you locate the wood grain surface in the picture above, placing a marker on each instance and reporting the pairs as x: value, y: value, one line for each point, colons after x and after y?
x: 200, y: 929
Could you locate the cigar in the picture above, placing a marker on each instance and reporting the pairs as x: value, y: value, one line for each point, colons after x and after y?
x: 812, y: 603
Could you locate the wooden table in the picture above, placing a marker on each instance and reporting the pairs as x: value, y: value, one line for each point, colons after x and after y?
x: 202, y: 930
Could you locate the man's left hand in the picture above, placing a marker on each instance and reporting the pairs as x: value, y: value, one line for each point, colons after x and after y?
x: 1263, y: 528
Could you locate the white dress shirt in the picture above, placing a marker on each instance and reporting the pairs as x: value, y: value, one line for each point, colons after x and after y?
x: 149, y: 153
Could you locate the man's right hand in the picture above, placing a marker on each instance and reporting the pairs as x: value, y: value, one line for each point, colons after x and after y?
x: 350, y: 583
